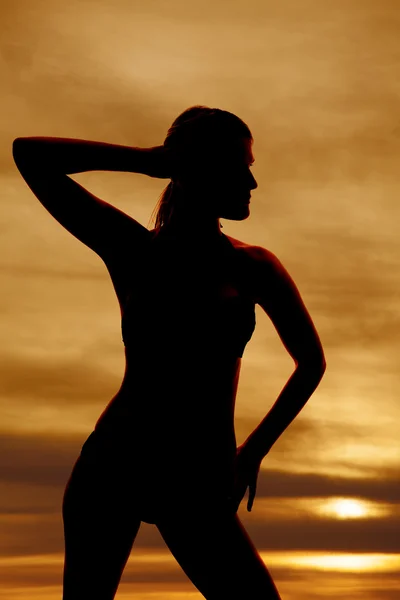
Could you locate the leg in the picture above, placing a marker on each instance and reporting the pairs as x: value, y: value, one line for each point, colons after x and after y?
x: 100, y: 526
x: 216, y: 553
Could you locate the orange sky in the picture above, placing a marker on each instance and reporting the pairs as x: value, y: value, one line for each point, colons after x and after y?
x: 318, y: 85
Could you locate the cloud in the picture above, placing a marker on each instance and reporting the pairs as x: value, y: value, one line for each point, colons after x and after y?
x: 45, y: 459
x: 54, y: 382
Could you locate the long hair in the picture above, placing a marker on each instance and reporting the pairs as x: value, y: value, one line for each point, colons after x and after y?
x: 193, y: 132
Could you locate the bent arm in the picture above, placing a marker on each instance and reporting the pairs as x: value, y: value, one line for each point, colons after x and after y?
x: 300, y: 386
x: 278, y: 295
x: 44, y: 164
x: 68, y: 155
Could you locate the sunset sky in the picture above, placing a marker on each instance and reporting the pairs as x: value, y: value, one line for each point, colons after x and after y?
x: 318, y: 83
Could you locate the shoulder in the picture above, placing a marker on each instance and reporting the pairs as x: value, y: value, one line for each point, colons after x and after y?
x: 263, y: 268
x: 256, y: 256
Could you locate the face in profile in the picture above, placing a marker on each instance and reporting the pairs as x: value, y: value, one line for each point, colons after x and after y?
x: 232, y: 182
x: 222, y: 185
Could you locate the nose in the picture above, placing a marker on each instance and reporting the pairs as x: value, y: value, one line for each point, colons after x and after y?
x: 254, y: 184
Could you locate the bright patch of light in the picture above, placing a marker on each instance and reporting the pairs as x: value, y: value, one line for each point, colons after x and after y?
x: 347, y: 508
x: 350, y: 508
x: 347, y: 562
x: 336, y: 507
x: 338, y: 561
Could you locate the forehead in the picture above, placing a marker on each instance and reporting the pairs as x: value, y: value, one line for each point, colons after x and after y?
x: 248, y: 150
x: 239, y: 150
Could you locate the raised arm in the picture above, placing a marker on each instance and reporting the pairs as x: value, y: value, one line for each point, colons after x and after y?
x: 45, y: 163
x: 279, y: 297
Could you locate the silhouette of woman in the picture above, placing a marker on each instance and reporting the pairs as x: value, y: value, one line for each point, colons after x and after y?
x: 164, y: 449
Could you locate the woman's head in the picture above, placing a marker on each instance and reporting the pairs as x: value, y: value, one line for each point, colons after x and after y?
x: 213, y: 150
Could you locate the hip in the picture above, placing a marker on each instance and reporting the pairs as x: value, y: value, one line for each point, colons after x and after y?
x: 166, y: 461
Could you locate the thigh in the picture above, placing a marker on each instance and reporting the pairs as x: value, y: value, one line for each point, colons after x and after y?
x: 216, y: 553
x: 100, y: 526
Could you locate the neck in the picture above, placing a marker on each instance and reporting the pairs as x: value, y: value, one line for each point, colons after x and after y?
x: 186, y: 227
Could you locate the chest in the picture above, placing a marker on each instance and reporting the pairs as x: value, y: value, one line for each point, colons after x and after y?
x: 160, y: 274
x: 171, y: 280
x: 176, y: 295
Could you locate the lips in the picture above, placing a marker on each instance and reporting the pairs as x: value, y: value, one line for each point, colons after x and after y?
x: 244, y: 199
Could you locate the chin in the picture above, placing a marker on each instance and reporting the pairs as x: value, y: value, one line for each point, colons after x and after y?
x: 238, y: 214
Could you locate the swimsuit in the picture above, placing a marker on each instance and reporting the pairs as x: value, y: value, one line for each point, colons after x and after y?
x: 170, y: 306
x: 170, y: 324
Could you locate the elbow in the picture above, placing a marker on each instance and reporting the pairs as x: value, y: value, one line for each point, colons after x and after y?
x: 18, y: 143
x: 19, y: 150
x: 25, y: 152
x: 32, y: 153
x: 16, y: 146
x: 316, y: 367
x: 29, y: 142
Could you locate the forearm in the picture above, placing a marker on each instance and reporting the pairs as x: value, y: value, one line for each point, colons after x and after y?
x: 300, y: 386
x: 68, y: 155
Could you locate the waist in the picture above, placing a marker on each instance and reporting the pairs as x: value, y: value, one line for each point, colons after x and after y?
x: 144, y: 359
x: 169, y: 412
x: 199, y: 397
x: 176, y: 380
x: 178, y: 439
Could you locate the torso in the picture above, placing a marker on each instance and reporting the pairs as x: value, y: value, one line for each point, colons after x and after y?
x: 173, y: 374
